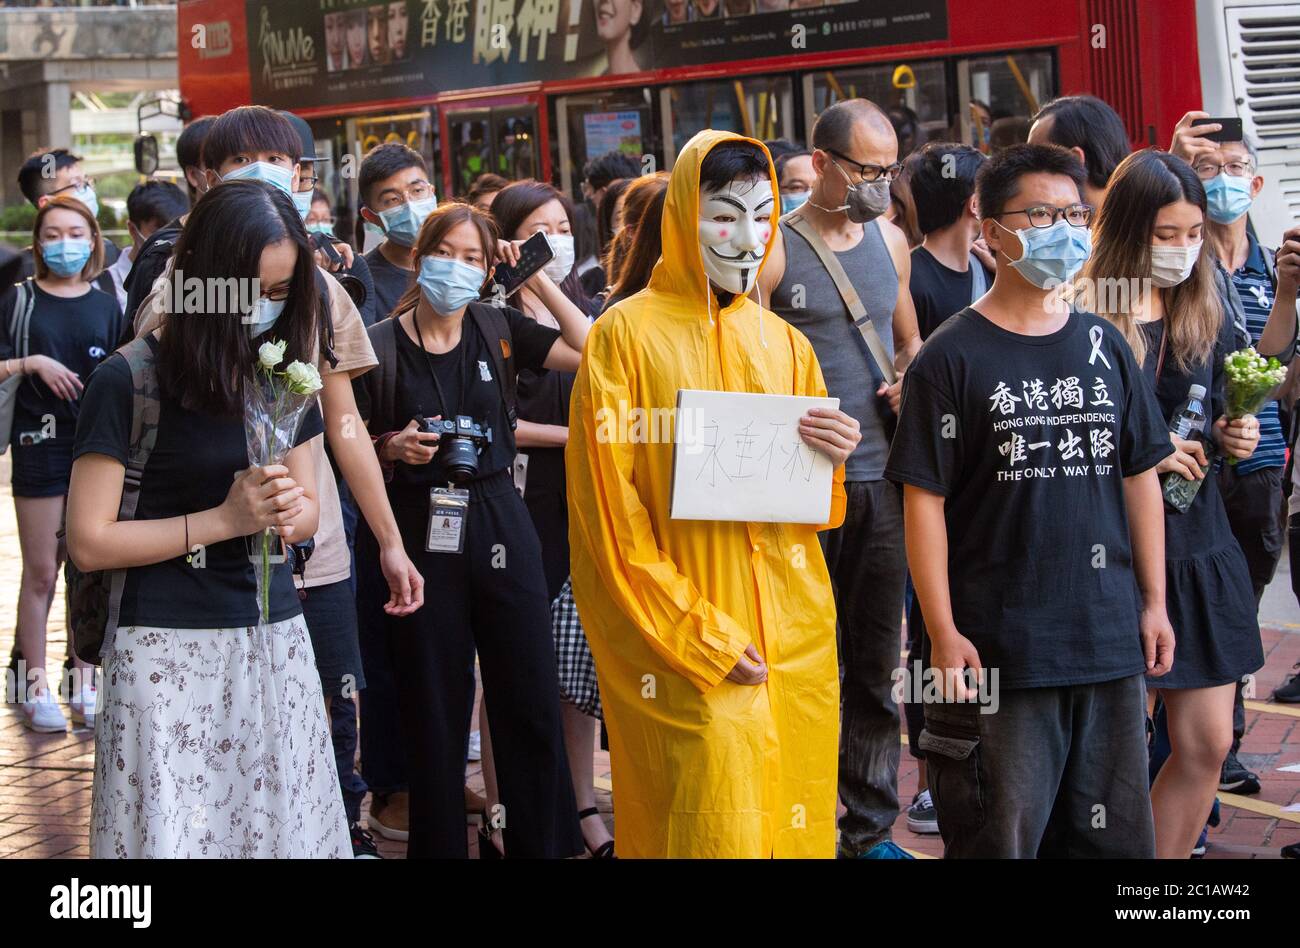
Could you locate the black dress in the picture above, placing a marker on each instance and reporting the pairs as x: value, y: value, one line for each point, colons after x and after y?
x: 543, y: 398
x: 1210, y: 599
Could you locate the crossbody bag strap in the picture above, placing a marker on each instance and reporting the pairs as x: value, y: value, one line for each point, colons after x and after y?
x: 857, y: 312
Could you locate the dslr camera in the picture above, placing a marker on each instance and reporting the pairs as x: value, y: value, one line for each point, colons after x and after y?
x: 460, y: 443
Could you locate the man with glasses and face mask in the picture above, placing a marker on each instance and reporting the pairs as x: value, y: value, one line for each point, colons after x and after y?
x: 1027, y: 445
x: 855, y: 158
x: 1258, y: 287
x: 716, y: 658
x: 396, y: 198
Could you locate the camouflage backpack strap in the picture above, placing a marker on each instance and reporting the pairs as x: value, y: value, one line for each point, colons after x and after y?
x: 146, y: 407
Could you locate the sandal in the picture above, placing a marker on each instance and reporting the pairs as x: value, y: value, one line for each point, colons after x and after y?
x: 606, y: 849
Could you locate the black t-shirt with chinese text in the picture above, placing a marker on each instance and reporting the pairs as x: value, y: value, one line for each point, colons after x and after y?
x: 1029, y: 439
x: 189, y: 470
x: 467, y: 381
x: 937, y: 291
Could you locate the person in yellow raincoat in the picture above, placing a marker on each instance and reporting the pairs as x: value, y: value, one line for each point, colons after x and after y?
x: 714, y: 641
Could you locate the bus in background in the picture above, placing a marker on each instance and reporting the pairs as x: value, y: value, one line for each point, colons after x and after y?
x: 538, y: 87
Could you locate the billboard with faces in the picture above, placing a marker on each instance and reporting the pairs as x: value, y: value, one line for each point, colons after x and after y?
x: 325, y: 52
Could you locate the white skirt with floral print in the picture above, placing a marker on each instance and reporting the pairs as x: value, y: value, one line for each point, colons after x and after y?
x: 213, y: 743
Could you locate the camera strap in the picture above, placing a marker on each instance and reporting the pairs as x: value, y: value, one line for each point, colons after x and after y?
x: 464, y: 369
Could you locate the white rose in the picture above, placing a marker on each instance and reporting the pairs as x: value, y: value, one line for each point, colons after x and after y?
x: 271, y: 354
x: 303, y: 378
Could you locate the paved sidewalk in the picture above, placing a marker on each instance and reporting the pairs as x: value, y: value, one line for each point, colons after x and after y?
x: 45, y: 778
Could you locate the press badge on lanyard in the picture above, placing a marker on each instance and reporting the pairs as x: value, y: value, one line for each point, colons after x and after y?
x: 447, y: 509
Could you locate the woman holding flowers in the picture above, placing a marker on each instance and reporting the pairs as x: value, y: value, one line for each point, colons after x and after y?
x: 1149, y: 237
x: 211, y: 739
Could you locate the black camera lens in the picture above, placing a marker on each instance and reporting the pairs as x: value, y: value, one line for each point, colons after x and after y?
x: 459, y: 458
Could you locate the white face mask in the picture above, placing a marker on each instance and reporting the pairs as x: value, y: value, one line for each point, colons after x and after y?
x: 562, y: 263
x: 1172, y: 265
x: 735, y: 224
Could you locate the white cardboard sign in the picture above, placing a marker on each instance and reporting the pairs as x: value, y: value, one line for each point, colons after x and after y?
x: 738, y: 456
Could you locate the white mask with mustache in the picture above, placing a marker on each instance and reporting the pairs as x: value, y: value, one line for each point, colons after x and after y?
x: 735, y: 223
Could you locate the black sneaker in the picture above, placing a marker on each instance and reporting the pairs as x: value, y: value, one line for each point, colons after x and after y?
x: 1234, y: 778
x: 1291, y: 852
x: 922, y: 817
x: 363, y: 844
x: 1289, y: 693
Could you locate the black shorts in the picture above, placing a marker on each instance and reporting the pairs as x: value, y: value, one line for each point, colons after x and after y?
x: 331, y: 614
x: 41, y: 470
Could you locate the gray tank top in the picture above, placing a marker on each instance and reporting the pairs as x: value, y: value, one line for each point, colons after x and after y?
x: 807, y: 299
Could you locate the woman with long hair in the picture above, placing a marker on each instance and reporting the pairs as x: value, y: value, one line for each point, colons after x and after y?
x: 633, y: 202
x: 71, y: 326
x: 211, y: 738
x: 446, y: 356
x: 521, y: 210
x: 1149, y: 240
x: 638, y: 243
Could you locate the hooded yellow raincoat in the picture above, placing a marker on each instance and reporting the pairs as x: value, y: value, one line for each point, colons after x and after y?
x: 702, y: 767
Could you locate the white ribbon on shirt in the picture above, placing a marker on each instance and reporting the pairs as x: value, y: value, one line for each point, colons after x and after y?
x: 1096, y: 335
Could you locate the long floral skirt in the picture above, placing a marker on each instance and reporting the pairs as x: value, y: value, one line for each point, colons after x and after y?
x: 213, y: 743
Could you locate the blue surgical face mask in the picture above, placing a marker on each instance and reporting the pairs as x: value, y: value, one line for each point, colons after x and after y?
x: 1051, y: 255
x: 302, y: 201
x: 402, y: 223
x: 1227, y: 197
x: 448, y: 285
x: 793, y: 200
x: 66, y: 257
x: 263, y: 316
x: 277, y: 175
x: 86, y: 195
x: 320, y: 227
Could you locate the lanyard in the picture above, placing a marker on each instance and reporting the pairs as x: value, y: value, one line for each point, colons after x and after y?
x: 1164, y: 344
x: 437, y: 386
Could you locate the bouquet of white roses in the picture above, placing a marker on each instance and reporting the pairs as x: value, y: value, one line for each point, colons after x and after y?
x: 275, y: 404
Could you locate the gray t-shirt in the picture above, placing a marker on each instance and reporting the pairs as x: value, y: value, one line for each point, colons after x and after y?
x: 851, y: 375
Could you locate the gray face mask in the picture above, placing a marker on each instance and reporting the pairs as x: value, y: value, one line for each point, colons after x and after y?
x: 866, y: 200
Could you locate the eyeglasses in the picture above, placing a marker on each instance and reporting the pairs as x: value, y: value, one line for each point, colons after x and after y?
x: 75, y: 186
x: 869, y: 172
x: 1205, y: 170
x: 1045, y: 215
x: 307, y: 183
x: 415, y: 191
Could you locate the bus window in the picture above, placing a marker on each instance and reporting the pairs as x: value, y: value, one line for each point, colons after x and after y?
x: 1002, y: 91
x: 500, y: 139
x: 761, y: 107
x: 921, y: 111
x: 591, y: 124
x: 471, y: 147
x: 516, y: 143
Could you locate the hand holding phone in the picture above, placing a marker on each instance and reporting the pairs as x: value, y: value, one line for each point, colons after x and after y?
x: 534, y: 253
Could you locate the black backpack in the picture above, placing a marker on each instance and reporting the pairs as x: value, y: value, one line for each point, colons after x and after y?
x: 381, y: 382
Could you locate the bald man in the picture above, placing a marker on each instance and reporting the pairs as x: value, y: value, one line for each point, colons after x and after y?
x: 855, y: 156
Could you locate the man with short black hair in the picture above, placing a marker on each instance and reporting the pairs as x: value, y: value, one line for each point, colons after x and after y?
x: 600, y: 171
x: 396, y: 197
x: 946, y: 274
x: 1026, y: 446
x: 189, y: 155
x: 839, y: 272
x: 150, y: 205
x: 1092, y: 130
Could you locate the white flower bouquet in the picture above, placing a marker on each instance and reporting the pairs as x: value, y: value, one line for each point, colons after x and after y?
x: 275, y: 404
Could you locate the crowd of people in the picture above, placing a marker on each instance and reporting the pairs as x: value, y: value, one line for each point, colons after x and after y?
x: 452, y: 514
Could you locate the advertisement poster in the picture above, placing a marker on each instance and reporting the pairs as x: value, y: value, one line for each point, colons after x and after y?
x: 612, y: 131
x: 342, y: 51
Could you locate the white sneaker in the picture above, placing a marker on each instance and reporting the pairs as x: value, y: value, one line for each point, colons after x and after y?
x: 41, y: 713
x: 475, y: 745
x: 84, y: 705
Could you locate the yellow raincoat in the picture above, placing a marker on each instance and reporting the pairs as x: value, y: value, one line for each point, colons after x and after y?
x: 702, y: 767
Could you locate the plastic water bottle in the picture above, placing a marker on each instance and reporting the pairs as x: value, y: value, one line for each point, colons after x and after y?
x: 1187, y: 423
